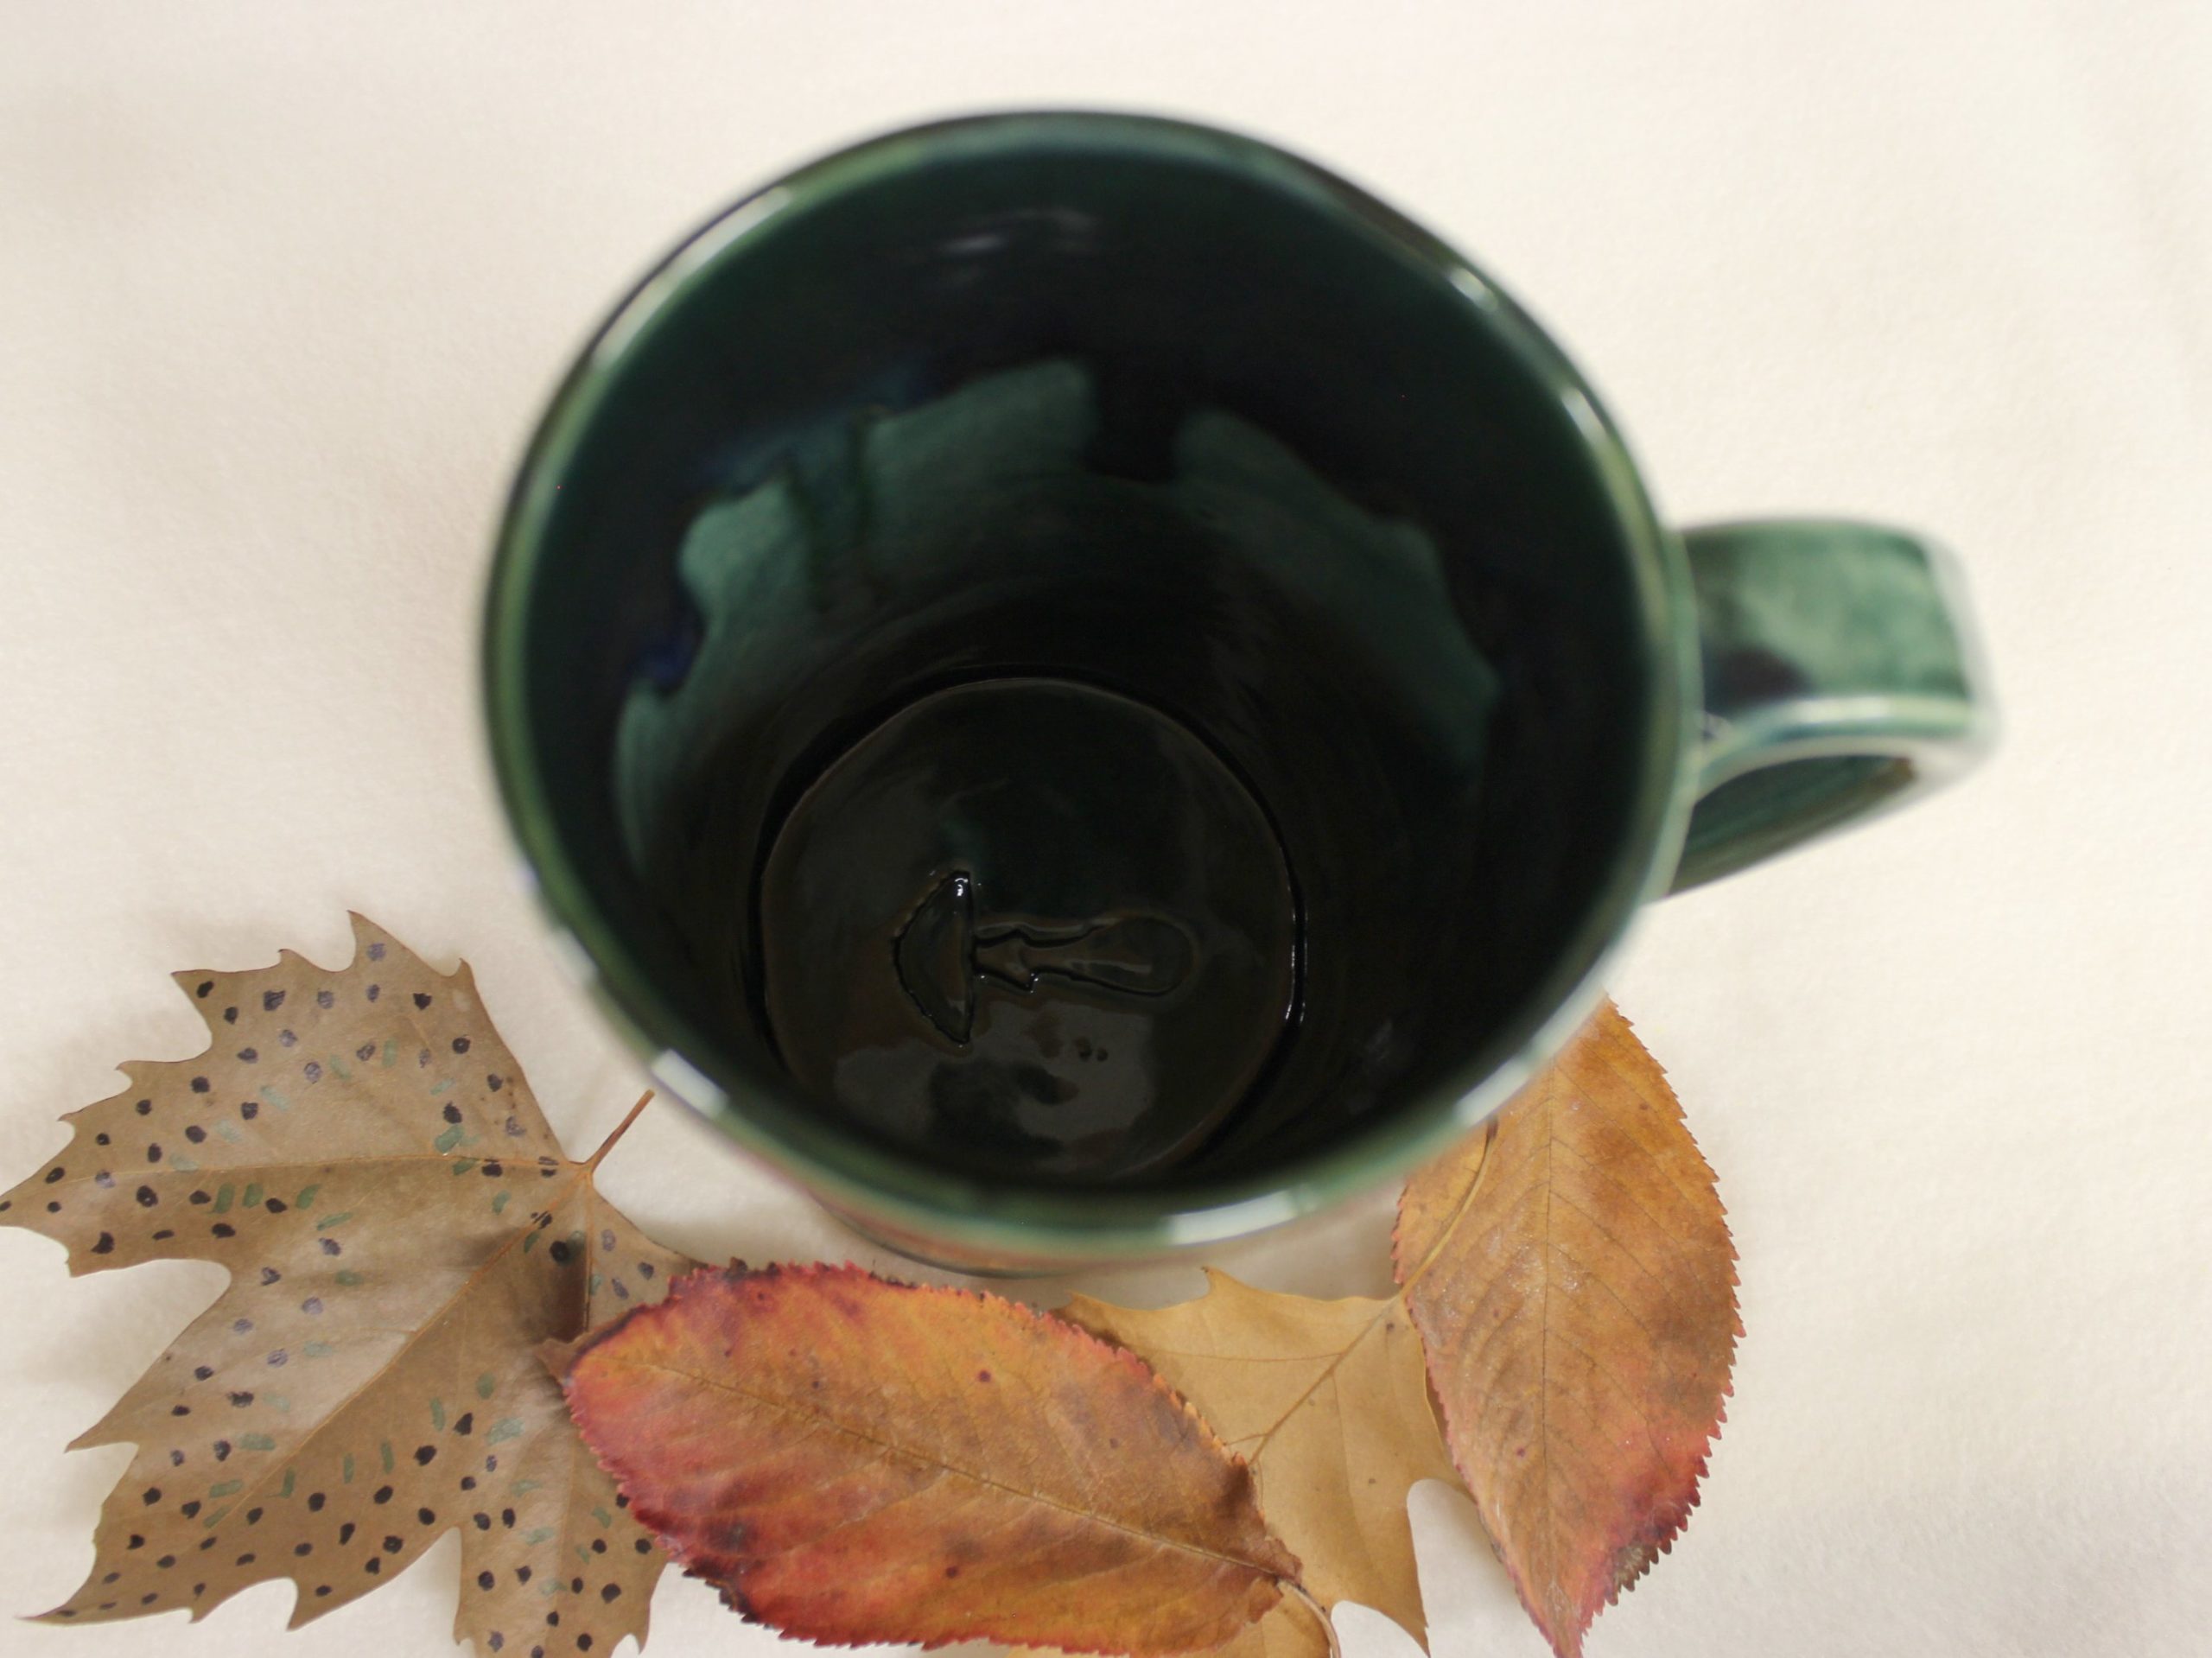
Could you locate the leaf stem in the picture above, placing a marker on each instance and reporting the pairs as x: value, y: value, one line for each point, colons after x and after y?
x: 1320, y: 1614
x: 621, y: 1129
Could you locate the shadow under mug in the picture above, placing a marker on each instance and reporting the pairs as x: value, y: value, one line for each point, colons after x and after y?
x: 1081, y: 686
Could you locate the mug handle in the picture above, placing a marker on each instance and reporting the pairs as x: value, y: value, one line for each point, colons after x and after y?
x: 1842, y: 678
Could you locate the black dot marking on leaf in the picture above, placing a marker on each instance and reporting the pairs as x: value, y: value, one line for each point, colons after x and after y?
x: 153, y: 1152
x: 575, y: 1585
x: 464, y: 1423
x: 53, y: 1208
x: 276, y: 1205
x: 190, y: 1510
x: 166, y: 1561
x: 269, y: 1275
x: 376, y: 952
x: 278, y: 1359
x: 373, y: 1566
x: 374, y: 992
x: 164, y: 1235
x: 253, y: 1516
x: 491, y: 1465
x: 324, y: 999
x: 522, y: 1574
x: 425, y: 1454
x: 495, y: 1082
x: 642, y: 1547
x: 461, y: 1044
x: 345, y: 1534
x: 366, y: 1053
x: 230, y: 1016
x: 514, y: 1128
x: 485, y: 1580
x: 552, y: 1620
x: 201, y: 1372
x: 146, y: 1599
x: 303, y: 1549
x: 451, y: 1114
x: 55, y: 1173
x: 201, y: 990
x: 222, y: 1451
x: 492, y: 1171
x: 583, y: 1643
x: 621, y: 1501
x: 195, y: 1134
x: 468, y: 1482
x: 497, y: 1640
x: 137, y: 1541
x: 110, y: 1578
x: 245, y: 1559
x: 145, y: 1108
x: 392, y: 1545
x: 200, y: 1197
x: 312, y: 1072
x: 507, y: 1518
x: 286, y: 1040
x: 241, y: 1326
x: 106, y: 1245
x: 606, y: 1239
x: 100, y: 1140
x: 315, y: 1500
x: 599, y: 1546
x: 224, y: 1230
x: 311, y: 1306
x: 153, y: 1496
x: 559, y: 1251
x: 200, y: 1085
x: 241, y: 1399
x: 537, y: 1652
x: 147, y: 1197
x: 421, y: 1000
x: 330, y: 1247
x: 179, y: 1410
x: 422, y: 1058
x: 425, y: 1517
x: 483, y: 1522
x: 249, y: 1109
x: 271, y: 1001
x: 644, y: 1269
x: 104, y: 1180
x: 383, y: 1495
x: 250, y: 1056
x: 206, y: 1543
x: 320, y: 1589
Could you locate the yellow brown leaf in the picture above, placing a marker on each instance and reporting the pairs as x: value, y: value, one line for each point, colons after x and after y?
x: 360, y: 1152
x: 1570, y: 1274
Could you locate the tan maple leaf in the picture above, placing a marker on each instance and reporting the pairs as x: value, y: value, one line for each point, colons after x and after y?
x: 359, y: 1149
x: 1328, y: 1402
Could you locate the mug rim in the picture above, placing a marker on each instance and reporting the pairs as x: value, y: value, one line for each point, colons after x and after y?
x: 971, y: 1219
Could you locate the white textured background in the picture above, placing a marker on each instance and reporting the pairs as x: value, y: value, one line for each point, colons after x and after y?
x: 282, y: 287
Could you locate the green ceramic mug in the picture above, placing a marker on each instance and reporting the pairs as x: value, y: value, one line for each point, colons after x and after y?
x: 1081, y: 686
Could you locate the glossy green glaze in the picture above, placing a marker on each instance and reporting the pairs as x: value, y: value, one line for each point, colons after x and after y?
x: 1115, y: 413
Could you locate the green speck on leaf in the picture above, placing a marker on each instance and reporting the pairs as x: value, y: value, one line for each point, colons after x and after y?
x: 257, y: 1442
x: 184, y: 1165
x: 329, y: 1220
x: 228, y: 1487
x: 447, y: 1140
x: 347, y: 1470
x: 591, y: 1288
x: 348, y: 1277
x: 542, y: 1534
x: 462, y: 1165
x: 438, y: 1414
x: 318, y: 1349
x: 253, y: 1198
x: 224, y: 1194
x: 529, y: 1242
x: 390, y: 1051
x: 524, y: 1487
x: 385, y: 1448
x: 276, y: 1099
x: 306, y: 1199
x: 278, y: 1401
x: 210, y: 1521
x: 485, y: 1384
x: 507, y: 1427
x: 602, y: 1516
x: 291, y: 1479
x: 338, y: 1064
x: 227, y: 1131
x: 500, y: 1202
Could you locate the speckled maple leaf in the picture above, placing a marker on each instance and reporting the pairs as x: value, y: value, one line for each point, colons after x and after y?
x: 359, y: 1149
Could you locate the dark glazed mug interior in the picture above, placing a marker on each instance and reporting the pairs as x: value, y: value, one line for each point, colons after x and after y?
x: 1045, y: 583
